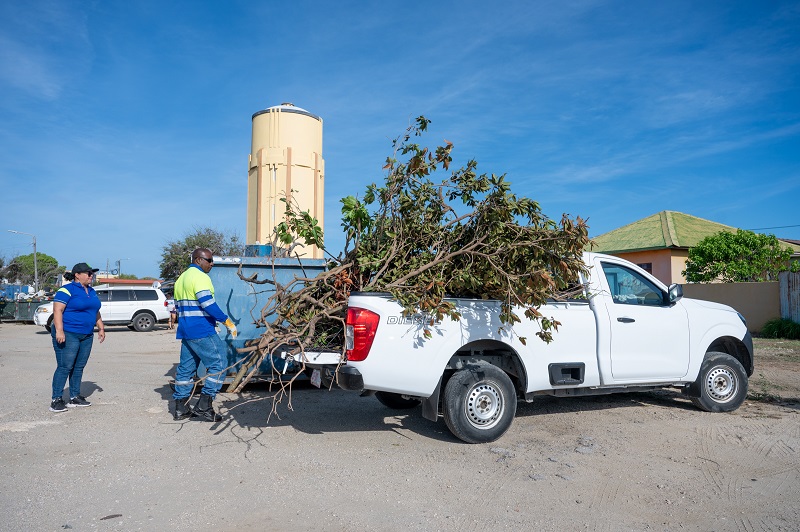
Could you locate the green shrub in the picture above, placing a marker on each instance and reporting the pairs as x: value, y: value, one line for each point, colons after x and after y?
x: 780, y: 328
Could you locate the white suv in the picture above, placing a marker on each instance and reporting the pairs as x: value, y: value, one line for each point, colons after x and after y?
x: 139, y: 308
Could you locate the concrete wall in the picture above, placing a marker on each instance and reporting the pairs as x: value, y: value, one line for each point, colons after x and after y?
x: 757, y: 302
x: 667, y: 263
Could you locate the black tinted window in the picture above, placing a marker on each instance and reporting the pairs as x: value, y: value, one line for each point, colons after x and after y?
x: 121, y: 295
x: 103, y: 295
x: 146, y: 295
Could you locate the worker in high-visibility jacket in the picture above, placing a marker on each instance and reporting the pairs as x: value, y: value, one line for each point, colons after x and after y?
x: 198, y: 314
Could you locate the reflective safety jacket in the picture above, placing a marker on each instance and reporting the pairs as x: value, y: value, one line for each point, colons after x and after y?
x: 198, y: 312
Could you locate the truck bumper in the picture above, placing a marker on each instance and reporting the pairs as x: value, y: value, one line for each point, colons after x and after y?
x: 349, y: 378
x: 748, y: 342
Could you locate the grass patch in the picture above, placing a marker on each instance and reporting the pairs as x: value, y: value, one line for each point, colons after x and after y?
x: 781, y: 328
x: 764, y: 397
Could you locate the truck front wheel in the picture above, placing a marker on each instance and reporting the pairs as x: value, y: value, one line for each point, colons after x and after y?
x: 479, y: 403
x: 721, y: 385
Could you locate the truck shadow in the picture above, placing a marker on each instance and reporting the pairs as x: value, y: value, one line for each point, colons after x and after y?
x: 546, y: 404
x: 315, y: 411
x: 319, y: 411
x: 311, y: 410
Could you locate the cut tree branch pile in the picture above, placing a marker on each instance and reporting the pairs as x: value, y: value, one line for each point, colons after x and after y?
x: 421, y: 240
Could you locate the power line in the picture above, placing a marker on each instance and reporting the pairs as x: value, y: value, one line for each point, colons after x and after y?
x: 778, y: 227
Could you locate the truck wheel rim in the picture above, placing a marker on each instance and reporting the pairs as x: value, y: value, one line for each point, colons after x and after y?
x: 484, y: 406
x: 721, y: 384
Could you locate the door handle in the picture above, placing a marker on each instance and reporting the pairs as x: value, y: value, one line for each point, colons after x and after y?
x: 626, y: 320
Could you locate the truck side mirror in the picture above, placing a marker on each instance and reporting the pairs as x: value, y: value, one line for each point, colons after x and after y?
x: 675, y: 293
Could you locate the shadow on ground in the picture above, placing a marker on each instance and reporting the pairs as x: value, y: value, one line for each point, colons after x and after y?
x: 319, y: 411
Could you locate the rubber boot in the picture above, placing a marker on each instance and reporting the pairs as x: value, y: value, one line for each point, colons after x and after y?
x: 204, y: 411
x: 182, y: 409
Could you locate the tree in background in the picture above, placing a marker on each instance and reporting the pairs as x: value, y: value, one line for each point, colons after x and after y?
x: 738, y: 257
x: 21, y: 268
x: 424, y: 239
x: 176, y: 255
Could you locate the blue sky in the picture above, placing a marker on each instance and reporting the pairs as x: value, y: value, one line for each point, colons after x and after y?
x: 124, y: 125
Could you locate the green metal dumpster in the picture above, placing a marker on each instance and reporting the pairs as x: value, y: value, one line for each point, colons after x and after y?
x: 7, y: 310
x: 20, y: 310
x: 25, y: 309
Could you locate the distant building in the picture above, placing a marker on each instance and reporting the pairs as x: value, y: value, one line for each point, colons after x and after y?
x: 114, y: 281
x: 660, y: 243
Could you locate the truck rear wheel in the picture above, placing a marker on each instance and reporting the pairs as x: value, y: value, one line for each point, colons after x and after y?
x: 721, y: 385
x: 395, y: 401
x: 479, y: 403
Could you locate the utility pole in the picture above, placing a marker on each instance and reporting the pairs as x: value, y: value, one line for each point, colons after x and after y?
x: 119, y: 266
x: 35, y: 262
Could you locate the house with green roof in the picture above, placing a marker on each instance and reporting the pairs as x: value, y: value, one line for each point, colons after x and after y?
x: 660, y: 243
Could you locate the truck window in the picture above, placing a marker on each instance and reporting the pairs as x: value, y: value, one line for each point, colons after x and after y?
x: 631, y: 288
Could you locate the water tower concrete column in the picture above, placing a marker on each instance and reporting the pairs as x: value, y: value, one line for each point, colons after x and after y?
x: 285, y: 162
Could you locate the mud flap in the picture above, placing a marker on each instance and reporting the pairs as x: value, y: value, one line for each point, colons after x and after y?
x: 430, y: 406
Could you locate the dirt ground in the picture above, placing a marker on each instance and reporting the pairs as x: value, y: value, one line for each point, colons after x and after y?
x: 337, y: 461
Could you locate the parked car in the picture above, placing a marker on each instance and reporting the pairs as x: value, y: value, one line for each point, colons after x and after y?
x: 139, y: 308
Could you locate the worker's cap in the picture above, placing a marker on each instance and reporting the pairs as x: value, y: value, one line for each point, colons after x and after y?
x: 82, y: 267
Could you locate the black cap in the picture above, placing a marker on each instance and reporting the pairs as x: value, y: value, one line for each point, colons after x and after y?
x: 83, y: 267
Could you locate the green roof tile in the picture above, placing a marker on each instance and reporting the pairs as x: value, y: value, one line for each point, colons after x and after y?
x: 665, y: 229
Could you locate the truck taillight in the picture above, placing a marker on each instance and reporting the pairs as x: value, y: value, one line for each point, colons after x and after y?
x: 360, y: 332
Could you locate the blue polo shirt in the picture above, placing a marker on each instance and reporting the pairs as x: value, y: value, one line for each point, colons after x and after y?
x: 80, y: 315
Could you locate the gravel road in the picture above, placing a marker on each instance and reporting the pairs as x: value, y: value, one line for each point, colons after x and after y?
x: 337, y: 461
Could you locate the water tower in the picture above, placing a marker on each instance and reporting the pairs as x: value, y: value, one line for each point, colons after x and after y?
x: 285, y: 162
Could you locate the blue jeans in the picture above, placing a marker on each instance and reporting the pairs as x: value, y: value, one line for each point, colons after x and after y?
x: 71, y: 358
x: 211, y: 351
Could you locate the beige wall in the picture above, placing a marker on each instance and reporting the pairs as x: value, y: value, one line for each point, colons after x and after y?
x: 659, y: 258
x: 757, y: 302
x: 667, y: 263
x: 678, y: 264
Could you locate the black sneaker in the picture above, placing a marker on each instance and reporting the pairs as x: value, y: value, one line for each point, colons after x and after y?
x: 58, y: 405
x: 78, y: 401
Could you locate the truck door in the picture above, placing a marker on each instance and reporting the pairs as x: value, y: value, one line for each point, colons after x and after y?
x: 649, y: 338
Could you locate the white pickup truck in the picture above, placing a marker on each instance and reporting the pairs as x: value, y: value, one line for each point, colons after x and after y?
x: 629, y: 333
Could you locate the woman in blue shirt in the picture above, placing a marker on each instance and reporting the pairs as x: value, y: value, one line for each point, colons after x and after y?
x: 76, y: 312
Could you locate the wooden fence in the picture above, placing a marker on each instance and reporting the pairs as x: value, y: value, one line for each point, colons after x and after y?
x: 790, y: 295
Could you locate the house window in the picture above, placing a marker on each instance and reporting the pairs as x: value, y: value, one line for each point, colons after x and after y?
x: 646, y: 266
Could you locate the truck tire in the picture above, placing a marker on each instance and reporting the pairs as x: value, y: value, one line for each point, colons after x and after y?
x: 49, y: 326
x: 143, y: 322
x: 395, y: 401
x: 479, y: 403
x: 721, y: 385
